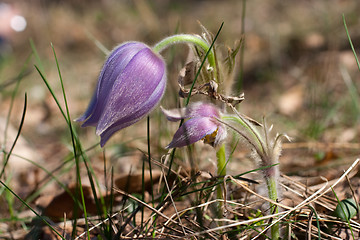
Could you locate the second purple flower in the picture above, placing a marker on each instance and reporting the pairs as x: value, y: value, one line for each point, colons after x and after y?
x: 202, y: 124
x: 130, y: 85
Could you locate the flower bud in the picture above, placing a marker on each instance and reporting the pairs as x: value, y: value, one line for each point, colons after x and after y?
x: 202, y: 124
x: 130, y: 85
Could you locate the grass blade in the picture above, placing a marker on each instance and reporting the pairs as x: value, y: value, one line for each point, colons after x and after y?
x: 202, y: 63
x: 28, y: 206
x: 351, y: 44
x: 16, y: 138
x: 19, y: 78
x: 74, y: 144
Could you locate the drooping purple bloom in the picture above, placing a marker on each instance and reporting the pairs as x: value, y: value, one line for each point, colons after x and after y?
x: 202, y: 124
x: 130, y: 85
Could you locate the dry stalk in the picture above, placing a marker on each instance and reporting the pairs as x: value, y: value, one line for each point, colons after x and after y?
x: 173, y: 203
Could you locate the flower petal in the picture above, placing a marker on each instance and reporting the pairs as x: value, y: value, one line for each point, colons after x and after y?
x: 192, y: 131
x: 114, y: 65
x: 148, y: 106
x: 200, y: 109
x: 137, y: 89
x: 174, y: 114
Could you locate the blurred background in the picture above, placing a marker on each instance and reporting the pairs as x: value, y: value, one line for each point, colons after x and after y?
x: 298, y: 67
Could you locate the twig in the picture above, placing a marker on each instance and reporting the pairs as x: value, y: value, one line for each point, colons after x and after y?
x: 144, y: 204
x: 173, y: 203
x: 321, y: 145
x: 102, y: 222
x: 256, y: 194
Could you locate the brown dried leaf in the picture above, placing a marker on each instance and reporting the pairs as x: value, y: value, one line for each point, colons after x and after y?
x: 292, y: 100
x: 132, y: 183
x: 329, y: 156
x: 187, y: 74
x: 63, y: 204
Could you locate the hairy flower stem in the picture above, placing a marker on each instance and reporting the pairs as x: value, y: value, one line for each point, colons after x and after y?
x: 272, y: 191
x: 265, y: 153
x: 187, y: 38
x: 221, y: 168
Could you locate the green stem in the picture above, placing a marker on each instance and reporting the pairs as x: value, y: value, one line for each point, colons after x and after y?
x: 221, y: 171
x: 149, y: 159
x: 272, y: 191
x: 187, y: 38
x: 221, y: 164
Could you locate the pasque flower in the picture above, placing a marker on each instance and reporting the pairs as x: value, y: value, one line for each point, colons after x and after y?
x: 130, y: 85
x: 202, y: 124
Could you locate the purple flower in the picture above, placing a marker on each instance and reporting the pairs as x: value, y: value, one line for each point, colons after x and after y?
x: 130, y: 85
x: 202, y: 124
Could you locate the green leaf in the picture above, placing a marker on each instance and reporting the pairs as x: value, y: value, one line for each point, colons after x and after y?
x: 346, y: 209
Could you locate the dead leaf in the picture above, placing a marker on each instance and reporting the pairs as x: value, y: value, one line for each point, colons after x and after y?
x: 346, y: 58
x: 347, y: 135
x: 63, y: 204
x: 329, y: 156
x: 187, y: 74
x: 291, y: 101
x: 314, y: 40
x: 132, y: 183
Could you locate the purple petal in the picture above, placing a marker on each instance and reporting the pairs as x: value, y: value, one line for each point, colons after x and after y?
x: 135, y: 92
x: 174, y: 114
x: 148, y: 106
x: 192, y: 131
x: 200, y: 109
x: 114, y: 65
